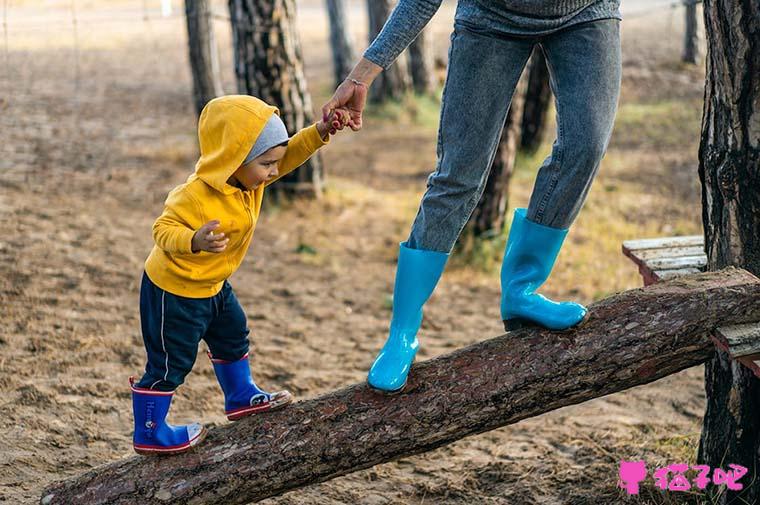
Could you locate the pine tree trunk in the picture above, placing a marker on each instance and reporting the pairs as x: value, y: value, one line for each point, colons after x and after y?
x: 421, y: 63
x: 487, y: 219
x: 537, y: 100
x: 340, y: 40
x: 691, y: 34
x: 394, y: 82
x: 269, y: 65
x: 204, y: 60
x: 729, y: 170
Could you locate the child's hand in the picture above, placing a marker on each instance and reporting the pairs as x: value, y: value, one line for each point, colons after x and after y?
x: 205, y: 239
x: 337, y: 120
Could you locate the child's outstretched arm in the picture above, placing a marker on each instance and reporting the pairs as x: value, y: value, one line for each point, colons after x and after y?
x: 306, y: 142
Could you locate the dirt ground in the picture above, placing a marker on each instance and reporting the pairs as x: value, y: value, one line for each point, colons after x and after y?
x: 97, y: 126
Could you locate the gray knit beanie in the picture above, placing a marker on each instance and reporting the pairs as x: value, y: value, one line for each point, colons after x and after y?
x: 273, y: 134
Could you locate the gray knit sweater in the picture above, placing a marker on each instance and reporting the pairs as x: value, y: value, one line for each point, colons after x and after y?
x: 509, y: 17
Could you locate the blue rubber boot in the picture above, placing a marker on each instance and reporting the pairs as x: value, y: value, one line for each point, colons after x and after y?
x: 529, y: 257
x: 153, y: 435
x: 417, y: 274
x: 242, y: 397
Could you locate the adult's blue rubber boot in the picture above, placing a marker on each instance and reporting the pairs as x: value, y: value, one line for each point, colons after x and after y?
x: 153, y: 435
x: 417, y: 274
x: 242, y: 397
x: 529, y: 257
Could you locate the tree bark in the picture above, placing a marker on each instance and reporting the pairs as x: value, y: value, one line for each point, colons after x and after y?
x: 340, y: 41
x: 729, y: 169
x: 691, y: 34
x: 394, y: 81
x: 632, y: 338
x: 204, y: 58
x: 269, y: 65
x: 487, y: 219
x: 537, y: 100
x: 421, y: 63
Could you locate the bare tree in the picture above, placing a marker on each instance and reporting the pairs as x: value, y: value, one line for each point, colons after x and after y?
x: 204, y: 60
x: 537, y: 100
x: 394, y: 82
x: 269, y: 65
x: 340, y: 40
x: 691, y: 34
x: 729, y: 170
x: 421, y: 63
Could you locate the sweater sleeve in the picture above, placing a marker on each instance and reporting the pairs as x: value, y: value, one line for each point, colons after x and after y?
x: 301, y: 147
x: 174, y: 229
x: 403, y: 25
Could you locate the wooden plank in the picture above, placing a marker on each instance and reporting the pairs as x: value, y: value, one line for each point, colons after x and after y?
x: 663, y: 242
x: 671, y: 252
x: 741, y: 339
x: 670, y: 274
x: 698, y: 262
x: 751, y: 361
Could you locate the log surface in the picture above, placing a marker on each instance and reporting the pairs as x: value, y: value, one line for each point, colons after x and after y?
x: 632, y: 338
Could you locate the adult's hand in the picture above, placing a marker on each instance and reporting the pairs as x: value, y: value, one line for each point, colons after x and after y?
x: 351, y: 94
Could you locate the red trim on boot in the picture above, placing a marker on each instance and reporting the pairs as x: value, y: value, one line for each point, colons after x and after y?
x: 144, y: 391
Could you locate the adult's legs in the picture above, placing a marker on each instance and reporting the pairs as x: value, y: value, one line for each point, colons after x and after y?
x: 584, y: 64
x: 483, y: 71
x: 585, y: 69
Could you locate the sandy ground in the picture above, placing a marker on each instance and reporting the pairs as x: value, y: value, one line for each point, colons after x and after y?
x: 97, y: 125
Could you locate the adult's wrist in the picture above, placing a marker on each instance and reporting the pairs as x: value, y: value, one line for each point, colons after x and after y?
x: 365, y: 72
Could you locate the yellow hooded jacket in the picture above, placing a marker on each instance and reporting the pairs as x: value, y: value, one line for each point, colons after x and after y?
x: 227, y: 129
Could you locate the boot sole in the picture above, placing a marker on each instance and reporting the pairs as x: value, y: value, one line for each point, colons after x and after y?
x: 386, y: 392
x: 274, y: 405
x: 518, y: 323
x: 162, y: 451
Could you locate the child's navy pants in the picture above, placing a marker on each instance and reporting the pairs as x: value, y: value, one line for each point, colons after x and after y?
x: 173, y: 326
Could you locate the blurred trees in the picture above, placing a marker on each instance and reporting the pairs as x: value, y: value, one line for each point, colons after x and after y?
x: 537, y: 99
x: 340, y: 40
x: 691, y: 34
x: 394, y: 82
x: 204, y: 58
x: 421, y: 63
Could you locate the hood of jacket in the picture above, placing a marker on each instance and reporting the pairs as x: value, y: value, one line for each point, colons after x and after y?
x: 227, y: 129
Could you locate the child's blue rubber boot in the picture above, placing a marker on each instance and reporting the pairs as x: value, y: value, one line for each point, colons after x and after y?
x: 241, y: 395
x: 529, y: 257
x: 417, y: 274
x: 153, y: 435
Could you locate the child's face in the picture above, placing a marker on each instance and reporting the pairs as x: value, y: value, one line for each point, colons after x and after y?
x: 261, y: 169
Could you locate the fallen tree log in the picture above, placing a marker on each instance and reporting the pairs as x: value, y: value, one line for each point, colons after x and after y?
x: 632, y: 338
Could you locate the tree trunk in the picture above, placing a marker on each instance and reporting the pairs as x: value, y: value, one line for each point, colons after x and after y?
x: 393, y: 82
x: 340, y: 40
x: 729, y: 170
x: 268, y: 65
x: 487, y: 220
x: 537, y: 100
x: 691, y: 35
x: 632, y: 338
x: 421, y: 63
x: 204, y: 58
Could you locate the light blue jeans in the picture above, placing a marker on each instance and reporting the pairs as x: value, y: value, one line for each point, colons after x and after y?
x: 484, y: 67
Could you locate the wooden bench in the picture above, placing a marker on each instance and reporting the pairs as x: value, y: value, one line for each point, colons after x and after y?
x: 665, y: 258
